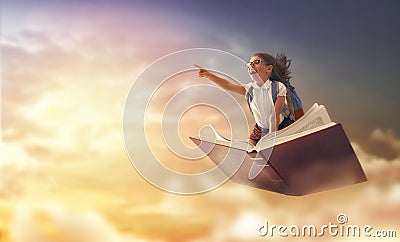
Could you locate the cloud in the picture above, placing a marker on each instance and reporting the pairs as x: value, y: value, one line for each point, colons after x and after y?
x: 379, y: 170
x: 64, y: 84
x: 67, y: 80
x: 384, y: 143
x: 242, y: 228
x: 60, y: 99
x: 225, y: 214
x: 15, y: 164
x: 232, y: 212
x: 375, y: 202
x: 54, y: 222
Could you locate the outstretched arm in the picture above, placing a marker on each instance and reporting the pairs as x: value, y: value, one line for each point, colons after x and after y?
x: 225, y: 84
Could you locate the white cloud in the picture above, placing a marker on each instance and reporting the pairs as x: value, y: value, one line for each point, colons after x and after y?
x: 53, y: 222
x: 378, y: 169
x: 382, y: 135
x: 387, y: 138
x: 15, y: 167
x: 166, y: 206
x: 243, y: 227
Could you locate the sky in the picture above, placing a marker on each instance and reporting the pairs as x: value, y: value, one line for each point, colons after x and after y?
x: 67, y: 68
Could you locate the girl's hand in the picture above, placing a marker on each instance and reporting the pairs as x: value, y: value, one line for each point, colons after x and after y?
x: 221, y: 82
x: 202, y: 72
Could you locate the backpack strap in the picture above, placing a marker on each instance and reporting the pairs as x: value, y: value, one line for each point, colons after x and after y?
x: 250, y: 94
x: 274, y: 91
x: 249, y: 97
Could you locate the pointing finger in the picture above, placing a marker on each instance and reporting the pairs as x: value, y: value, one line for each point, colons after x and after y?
x: 198, y: 66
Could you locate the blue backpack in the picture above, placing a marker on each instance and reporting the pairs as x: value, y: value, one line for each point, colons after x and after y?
x: 294, y: 108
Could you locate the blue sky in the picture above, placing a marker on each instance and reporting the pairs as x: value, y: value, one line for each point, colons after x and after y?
x: 67, y: 67
x: 345, y: 53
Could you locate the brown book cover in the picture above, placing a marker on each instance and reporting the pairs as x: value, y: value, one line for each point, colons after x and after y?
x: 316, y: 162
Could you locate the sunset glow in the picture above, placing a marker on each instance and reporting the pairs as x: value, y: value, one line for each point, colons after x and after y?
x: 65, y: 175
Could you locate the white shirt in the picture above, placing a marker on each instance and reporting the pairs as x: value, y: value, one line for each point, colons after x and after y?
x: 262, y: 105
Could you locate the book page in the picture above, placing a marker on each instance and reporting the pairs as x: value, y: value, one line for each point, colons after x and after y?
x: 316, y: 118
x: 318, y: 121
x: 288, y: 129
x: 209, y: 134
x: 284, y: 139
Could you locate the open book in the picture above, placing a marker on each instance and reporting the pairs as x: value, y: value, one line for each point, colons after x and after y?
x: 311, y: 155
x: 315, y: 119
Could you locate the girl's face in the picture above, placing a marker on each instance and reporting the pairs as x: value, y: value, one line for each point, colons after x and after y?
x: 257, y: 65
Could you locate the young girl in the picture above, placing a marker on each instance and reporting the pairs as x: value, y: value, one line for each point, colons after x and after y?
x: 264, y: 70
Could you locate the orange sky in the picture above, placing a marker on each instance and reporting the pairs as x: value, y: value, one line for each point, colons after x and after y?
x: 64, y: 171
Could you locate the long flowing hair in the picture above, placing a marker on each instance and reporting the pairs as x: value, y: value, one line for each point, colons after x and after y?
x: 280, y: 63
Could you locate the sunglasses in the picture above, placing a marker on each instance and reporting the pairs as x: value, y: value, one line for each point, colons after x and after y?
x: 255, y: 63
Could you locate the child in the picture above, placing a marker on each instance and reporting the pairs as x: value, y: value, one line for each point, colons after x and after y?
x: 267, y: 73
